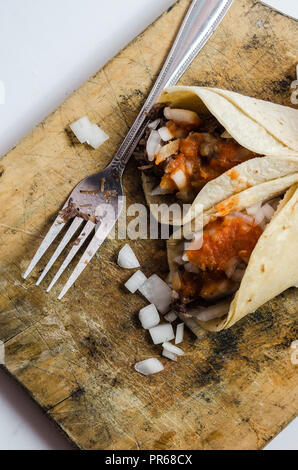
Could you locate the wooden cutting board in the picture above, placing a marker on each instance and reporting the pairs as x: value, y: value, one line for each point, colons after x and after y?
x: 232, y: 390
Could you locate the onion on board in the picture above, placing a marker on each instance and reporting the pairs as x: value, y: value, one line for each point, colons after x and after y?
x: 149, y: 316
x: 170, y: 317
x: 215, y: 311
x: 85, y: 131
x: 149, y: 366
x: 135, y: 281
x: 157, y: 292
x: 173, y: 349
x: 153, y: 145
x: 162, y: 333
x: 169, y: 355
x: 165, y: 134
x: 127, y: 259
x: 179, y: 333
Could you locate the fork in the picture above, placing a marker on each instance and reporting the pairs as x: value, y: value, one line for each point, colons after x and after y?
x: 98, y: 199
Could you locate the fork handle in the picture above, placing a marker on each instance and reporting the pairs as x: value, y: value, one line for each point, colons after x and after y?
x: 201, y: 20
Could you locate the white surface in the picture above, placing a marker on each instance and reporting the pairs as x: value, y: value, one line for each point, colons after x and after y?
x: 48, y: 48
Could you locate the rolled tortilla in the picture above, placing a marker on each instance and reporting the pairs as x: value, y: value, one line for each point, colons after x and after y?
x: 273, y: 264
x: 265, y: 128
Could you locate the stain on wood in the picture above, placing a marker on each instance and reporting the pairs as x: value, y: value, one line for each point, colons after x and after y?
x: 232, y: 390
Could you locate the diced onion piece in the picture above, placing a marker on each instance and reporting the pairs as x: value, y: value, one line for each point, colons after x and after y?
x: 81, y: 128
x: 135, y: 281
x: 268, y: 211
x: 153, y: 144
x: 179, y: 179
x: 85, y: 131
x: 170, y: 317
x: 97, y: 136
x: 157, y: 292
x: 191, y: 268
x: 149, y: 317
x: 252, y: 210
x: 158, y: 191
x: 153, y: 124
x: 183, y: 117
x: 127, y: 259
x: 259, y: 216
x: 165, y: 134
x: 166, y: 151
x: 169, y: 355
x: 149, y: 366
x: 294, y: 344
x: 173, y: 349
x: 162, y: 333
x: 215, y: 311
x: 179, y: 333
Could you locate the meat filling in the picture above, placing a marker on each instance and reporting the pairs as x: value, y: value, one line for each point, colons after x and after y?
x: 217, y: 266
x: 194, y: 151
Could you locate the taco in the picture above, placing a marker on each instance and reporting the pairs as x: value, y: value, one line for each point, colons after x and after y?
x: 245, y: 255
x: 196, y: 134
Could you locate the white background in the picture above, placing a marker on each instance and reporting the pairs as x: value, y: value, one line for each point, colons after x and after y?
x: 48, y: 48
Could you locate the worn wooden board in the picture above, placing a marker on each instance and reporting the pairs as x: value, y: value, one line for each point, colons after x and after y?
x: 232, y: 390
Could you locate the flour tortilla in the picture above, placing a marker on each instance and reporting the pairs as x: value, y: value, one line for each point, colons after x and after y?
x: 262, y: 127
x: 272, y: 267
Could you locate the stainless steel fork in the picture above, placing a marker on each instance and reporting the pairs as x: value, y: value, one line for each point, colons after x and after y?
x: 102, y: 192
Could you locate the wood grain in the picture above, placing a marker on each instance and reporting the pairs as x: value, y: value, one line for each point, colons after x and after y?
x: 232, y: 390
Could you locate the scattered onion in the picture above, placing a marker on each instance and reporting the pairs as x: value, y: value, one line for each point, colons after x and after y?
x: 149, y: 317
x: 157, y: 292
x: 85, y: 131
x: 179, y: 333
x: 162, y: 333
x: 135, y: 281
x: 127, y: 259
x: 173, y: 349
x: 169, y: 355
x: 149, y: 366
